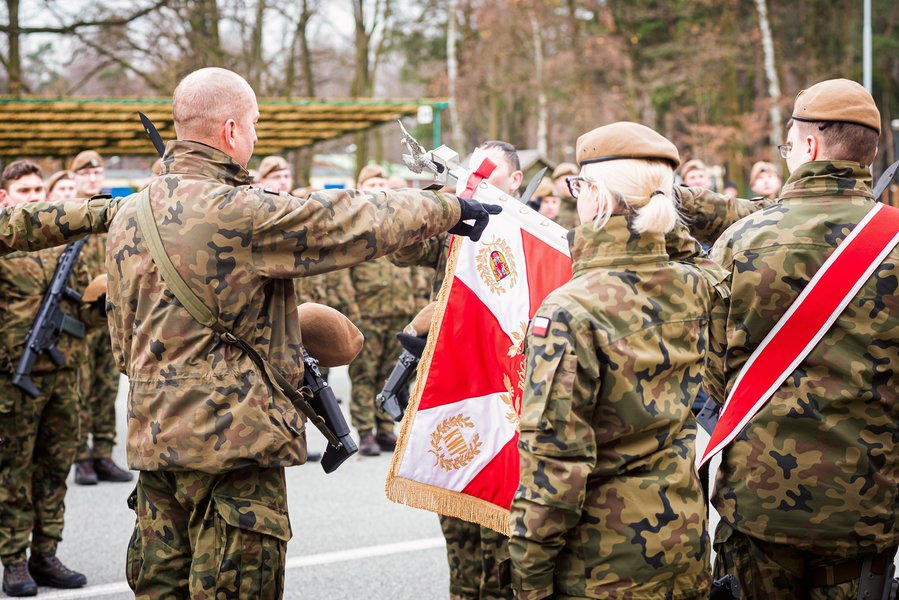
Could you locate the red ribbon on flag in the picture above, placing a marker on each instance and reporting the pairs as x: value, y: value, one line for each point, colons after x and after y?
x: 483, y: 170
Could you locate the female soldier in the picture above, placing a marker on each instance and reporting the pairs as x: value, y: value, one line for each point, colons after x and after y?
x: 609, y: 504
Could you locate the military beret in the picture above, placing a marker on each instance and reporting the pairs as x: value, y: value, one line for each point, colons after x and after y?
x: 329, y: 337
x: 624, y: 140
x: 421, y: 324
x: 837, y: 100
x: 86, y: 160
x: 95, y: 289
x: 56, y: 178
x: 759, y: 168
x: 564, y: 169
x: 546, y: 188
x: 369, y: 172
x: 692, y: 165
x: 270, y: 164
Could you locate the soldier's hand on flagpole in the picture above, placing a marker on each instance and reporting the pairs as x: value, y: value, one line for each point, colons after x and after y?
x: 472, y: 210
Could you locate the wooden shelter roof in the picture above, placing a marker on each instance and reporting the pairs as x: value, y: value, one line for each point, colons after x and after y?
x: 64, y: 127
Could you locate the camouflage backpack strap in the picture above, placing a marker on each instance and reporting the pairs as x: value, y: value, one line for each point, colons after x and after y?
x: 146, y: 222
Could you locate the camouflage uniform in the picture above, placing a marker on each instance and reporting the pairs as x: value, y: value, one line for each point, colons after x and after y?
x: 99, y: 374
x: 334, y: 289
x: 387, y: 303
x: 609, y: 504
x: 816, y: 471
x: 567, y: 216
x: 36, y: 225
x: 707, y: 214
x: 477, y: 556
x: 38, y: 436
x: 201, y: 420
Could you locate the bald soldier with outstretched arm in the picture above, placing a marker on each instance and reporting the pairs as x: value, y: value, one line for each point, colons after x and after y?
x: 207, y: 431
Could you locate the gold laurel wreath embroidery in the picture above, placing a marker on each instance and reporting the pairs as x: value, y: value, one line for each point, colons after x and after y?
x: 509, y: 398
x: 483, y: 263
x: 448, y: 463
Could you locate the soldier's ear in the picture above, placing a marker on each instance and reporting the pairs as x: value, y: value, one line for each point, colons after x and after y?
x: 3, y: 196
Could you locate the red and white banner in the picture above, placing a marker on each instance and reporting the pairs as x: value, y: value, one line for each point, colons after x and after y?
x: 458, y: 447
x: 806, y: 321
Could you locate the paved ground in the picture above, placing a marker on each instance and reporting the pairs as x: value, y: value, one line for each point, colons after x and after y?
x: 348, y: 542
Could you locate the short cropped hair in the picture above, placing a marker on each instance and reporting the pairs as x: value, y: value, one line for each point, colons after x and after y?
x: 508, y: 150
x: 17, y: 170
x: 844, y: 141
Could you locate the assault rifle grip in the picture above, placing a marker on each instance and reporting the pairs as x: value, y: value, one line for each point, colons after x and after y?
x: 324, y: 404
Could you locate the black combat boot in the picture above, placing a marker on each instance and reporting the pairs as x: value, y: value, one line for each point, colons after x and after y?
x: 386, y: 441
x: 107, y: 470
x: 368, y: 446
x: 84, y: 472
x: 17, y: 581
x: 48, y: 570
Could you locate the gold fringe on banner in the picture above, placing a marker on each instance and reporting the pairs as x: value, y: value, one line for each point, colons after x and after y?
x: 422, y: 495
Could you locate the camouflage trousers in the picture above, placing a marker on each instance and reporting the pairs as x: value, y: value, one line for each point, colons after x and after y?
x: 370, y: 371
x: 100, y: 378
x: 775, y: 571
x: 204, y: 536
x: 477, y: 557
x: 38, y: 440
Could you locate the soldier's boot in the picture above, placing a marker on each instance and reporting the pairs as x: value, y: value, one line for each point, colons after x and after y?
x: 386, y: 441
x: 368, y: 446
x: 107, y: 470
x: 84, y: 472
x: 48, y: 570
x: 17, y: 581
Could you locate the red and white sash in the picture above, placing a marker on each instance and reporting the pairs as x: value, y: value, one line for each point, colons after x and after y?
x: 806, y: 321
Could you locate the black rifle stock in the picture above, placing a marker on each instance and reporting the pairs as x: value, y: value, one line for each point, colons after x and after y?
x: 51, y: 321
x: 324, y: 404
x: 394, y: 398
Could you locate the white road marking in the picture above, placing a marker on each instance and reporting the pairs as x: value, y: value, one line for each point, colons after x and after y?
x: 325, y: 558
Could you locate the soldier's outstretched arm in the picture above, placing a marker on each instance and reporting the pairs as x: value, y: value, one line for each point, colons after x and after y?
x: 40, y: 225
x: 425, y: 253
x: 557, y: 447
x: 714, y: 378
x: 708, y: 213
x: 338, y: 229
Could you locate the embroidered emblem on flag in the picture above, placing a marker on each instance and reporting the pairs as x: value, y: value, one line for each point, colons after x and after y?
x: 457, y: 453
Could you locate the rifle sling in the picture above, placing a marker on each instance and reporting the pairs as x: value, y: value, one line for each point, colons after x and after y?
x: 146, y: 222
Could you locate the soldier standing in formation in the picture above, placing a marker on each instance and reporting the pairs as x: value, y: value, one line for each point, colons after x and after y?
x: 61, y: 186
x: 764, y: 180
x: 206, y: 430
x: 807, y: 492
x: 99, y: 377
x: 38, y: 436
x: 608, y: 488
x: 567, y: 216
x: 275, y: 174
x: 386, y: 301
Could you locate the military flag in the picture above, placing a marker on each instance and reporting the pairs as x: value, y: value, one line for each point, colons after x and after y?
x: 458, y: 447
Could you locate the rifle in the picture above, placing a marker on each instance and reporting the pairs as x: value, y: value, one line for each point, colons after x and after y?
x: 51, y: 321
x: 324, y: 404
x: 394, y: 398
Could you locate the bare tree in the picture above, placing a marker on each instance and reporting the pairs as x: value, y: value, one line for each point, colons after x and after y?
x: 770, y: 72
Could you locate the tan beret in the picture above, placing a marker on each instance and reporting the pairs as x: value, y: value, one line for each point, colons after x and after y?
x: 369, y: 172
x: 270, y: 164
x: 759, y: 168
x: 329, y: 337
x: 546, y: 188
x: 86, y: 160
x: 692, y: 165
x: 565, y: 169
x: 421, y: 324
x: 837, y: 100
x: 56, y: 178
x: 95, y: 289
x: 624, y: 140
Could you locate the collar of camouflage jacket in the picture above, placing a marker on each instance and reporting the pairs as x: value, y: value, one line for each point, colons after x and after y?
x: 828, y: 178
x: 196, y: 158
x: 614, y: 245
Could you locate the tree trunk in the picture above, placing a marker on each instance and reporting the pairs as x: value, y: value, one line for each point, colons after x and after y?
x: 14, y: 60
x: 771, y: 74
x: 452, y: 75
x: 542, y: 114
x: 256, y: 59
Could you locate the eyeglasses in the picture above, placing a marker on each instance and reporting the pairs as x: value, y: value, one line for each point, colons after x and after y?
x: 574, y: 184
x: 785, y: 149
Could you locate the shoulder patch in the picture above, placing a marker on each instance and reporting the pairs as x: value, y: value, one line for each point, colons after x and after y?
x: 540, y: 326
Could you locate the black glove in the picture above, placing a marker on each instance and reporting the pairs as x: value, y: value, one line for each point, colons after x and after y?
x: 472, y: 209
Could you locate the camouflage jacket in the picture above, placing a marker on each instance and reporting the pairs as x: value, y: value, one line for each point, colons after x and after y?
x: 36, y: 225
x: 24, y: 279
x: 818, y: 466
x: 196, y: 403
x: 334, y: 289
x: 433, y: 253
x: 568, y: 217
x: 609, y: 504
x: 383, y: 290
x: 708, y: 213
